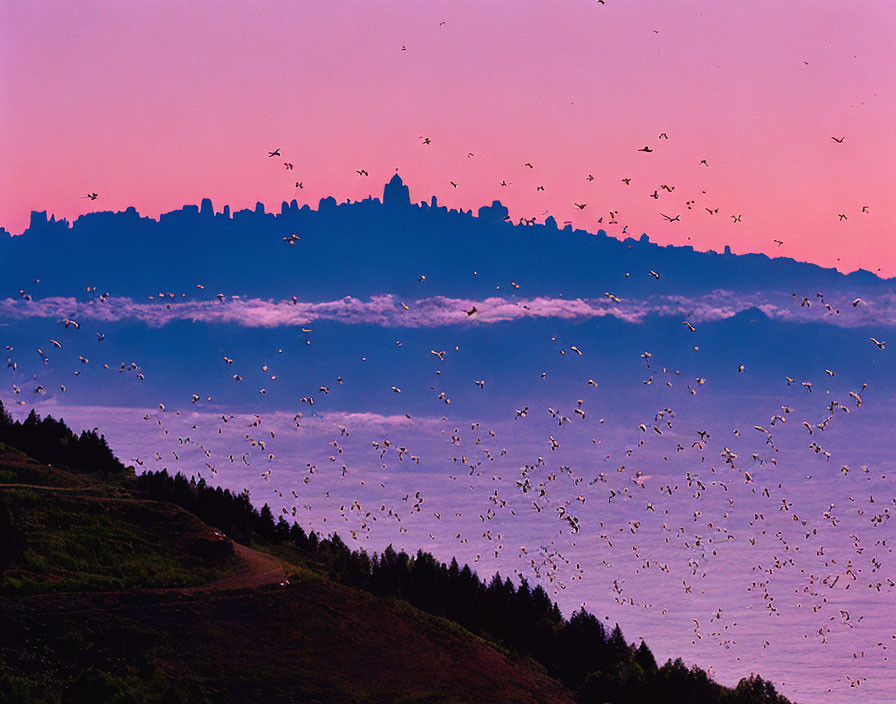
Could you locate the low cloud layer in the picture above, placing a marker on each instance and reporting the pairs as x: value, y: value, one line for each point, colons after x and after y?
x: 390, y: 311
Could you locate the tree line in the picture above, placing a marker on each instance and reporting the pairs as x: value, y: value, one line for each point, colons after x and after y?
x: 51, y: 441
x: 595, y: 662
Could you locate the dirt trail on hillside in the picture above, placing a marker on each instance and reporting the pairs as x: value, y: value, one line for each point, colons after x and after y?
x: 260, y: 569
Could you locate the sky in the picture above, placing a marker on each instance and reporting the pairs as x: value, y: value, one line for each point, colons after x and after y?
x: 479, y: 354
x: 158, y: 104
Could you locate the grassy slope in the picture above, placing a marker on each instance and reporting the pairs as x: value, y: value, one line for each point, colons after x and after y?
x: 77, y: 542
x: 312, y: 641
x: 81, y: 533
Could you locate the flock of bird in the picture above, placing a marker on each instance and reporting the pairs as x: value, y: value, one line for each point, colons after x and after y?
x: 572, y: 511
x: 541, y: 488
x: 612, y: 217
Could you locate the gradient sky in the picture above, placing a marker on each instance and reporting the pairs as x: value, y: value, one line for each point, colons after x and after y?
x: 157, y: 104
x: 160, y: 103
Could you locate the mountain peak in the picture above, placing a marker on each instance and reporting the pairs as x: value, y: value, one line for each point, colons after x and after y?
x: 396, y: 194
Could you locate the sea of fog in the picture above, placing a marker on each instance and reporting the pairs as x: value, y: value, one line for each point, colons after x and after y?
x: 741, y: 550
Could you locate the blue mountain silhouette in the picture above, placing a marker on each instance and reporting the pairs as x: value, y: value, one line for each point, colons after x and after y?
x: 374, y: 246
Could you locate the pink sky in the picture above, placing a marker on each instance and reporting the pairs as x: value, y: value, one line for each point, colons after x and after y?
x: 157, y: 104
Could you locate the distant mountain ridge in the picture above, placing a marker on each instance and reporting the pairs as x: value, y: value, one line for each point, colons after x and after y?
x: 374, y: 246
